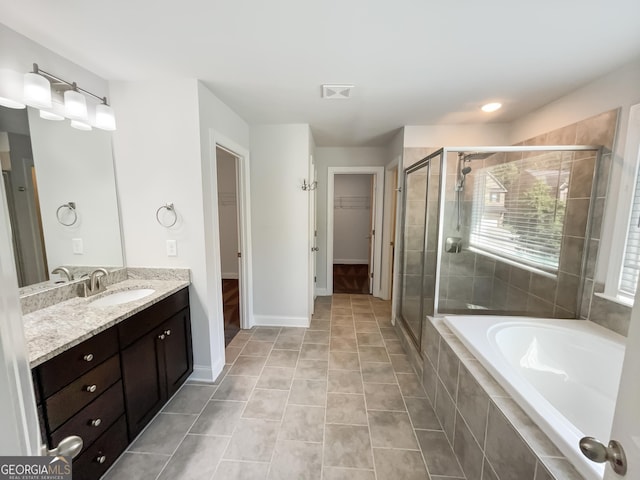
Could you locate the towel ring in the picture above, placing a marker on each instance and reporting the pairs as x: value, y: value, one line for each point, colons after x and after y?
x: 71, y: 206
x: 170, y: 208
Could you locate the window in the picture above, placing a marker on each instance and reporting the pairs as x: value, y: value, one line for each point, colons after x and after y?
x: 631, y: 259
x: 518, y: 210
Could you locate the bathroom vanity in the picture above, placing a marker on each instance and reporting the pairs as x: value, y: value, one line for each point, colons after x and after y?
x: 106, y: 371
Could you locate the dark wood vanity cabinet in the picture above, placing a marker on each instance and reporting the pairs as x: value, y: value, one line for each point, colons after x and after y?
x: 108, y: 388
x: 154, y: 366
x: 81, y: 394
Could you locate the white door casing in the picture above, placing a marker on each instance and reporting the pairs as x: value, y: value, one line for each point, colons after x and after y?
x: 18, y: 416
x: 626, y: 420
x: 378, y: 173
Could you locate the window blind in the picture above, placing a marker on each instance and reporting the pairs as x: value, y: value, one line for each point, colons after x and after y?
x: 631, y: 259
x: 518, y: 209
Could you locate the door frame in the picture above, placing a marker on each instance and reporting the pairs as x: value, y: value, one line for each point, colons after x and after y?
x: 313, y: 235
x: 243, y: 193
x: 18, y: 415
x: 390, y: 195
x: 377, y: 210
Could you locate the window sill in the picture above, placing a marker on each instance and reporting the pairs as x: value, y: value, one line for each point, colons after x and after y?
x: 620, y: 300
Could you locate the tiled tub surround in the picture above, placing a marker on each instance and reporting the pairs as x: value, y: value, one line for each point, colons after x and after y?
x: 490, y: 434
x: 336, y: 401
x: 476, y: 279
x: 54, y: 329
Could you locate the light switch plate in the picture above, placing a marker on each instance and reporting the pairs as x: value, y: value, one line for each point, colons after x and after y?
x: 172, y: 248
x: 77, y: 245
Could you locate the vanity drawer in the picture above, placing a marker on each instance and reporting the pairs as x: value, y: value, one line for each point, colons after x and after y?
x: 64, y: 404
x: 69, y: 365
x: 143, y: 322
x: 107, y: 448
x: 104, y: 410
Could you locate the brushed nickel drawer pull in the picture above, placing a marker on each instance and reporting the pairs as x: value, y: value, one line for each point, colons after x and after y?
x: 88, y: 357
x: 167, y: 332
x: 91, y: 388
x: 96, y: 422
x: 101, y: 458
x: 161, y: 336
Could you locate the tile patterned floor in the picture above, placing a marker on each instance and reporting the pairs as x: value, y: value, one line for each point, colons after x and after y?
x: 336, y: 401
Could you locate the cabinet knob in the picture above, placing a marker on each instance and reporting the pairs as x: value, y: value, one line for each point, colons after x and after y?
x: 96, y: 422
x: 167, y: 332
x: 88, y: 357
x: 90, y: 388
x: 161, y: 336
x: 101, y: 458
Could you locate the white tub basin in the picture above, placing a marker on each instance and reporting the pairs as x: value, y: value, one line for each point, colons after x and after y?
x: 123, y: 296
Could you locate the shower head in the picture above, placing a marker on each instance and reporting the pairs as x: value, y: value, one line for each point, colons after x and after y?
x: 467, y: 157
x: 465, y: 171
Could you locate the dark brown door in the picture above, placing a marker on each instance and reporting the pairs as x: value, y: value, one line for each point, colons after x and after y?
x: 178, y: 354
x: 143, y: 378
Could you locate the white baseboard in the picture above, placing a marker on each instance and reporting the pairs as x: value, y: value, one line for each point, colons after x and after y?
x: 323, y: 292
x: 351, y: 261
x: 230, y: 276
x: 279, y: 321
x: 203, y: 373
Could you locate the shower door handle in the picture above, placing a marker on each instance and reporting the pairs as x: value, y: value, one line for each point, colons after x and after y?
x: 597, y: 452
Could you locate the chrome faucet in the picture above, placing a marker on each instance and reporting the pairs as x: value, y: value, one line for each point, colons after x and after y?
x: 95, y: 286
x: 64, y: 272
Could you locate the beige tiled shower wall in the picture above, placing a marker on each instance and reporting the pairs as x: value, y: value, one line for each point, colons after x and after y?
x: 470, y: 278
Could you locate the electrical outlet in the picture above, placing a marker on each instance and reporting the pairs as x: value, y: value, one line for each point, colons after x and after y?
x: 172, y: 248
x: 77, y: 245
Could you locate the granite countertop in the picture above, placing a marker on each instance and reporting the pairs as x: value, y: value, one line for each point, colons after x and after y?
x: 52, y: 330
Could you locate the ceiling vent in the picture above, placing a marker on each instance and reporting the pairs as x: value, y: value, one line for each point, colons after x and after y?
x: 336, y: 92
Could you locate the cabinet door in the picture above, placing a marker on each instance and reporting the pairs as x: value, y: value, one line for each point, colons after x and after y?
x: 178, y: 352
x: 143, y: 381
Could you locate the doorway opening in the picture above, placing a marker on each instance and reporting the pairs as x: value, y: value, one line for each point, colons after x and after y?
x: 352, y: 233
x: 354, y: 215
x: 229, y: 226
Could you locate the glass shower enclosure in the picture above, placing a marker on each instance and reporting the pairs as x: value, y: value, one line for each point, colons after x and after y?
x: 496, y: 230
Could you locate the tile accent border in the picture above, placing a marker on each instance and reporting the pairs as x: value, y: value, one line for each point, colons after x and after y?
x: 492, y: 437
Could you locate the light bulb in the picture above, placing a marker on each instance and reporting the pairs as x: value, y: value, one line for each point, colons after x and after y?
x: 37, y: 91
x: 77, y: 124
x: 491, y: 107
x: 11, y: 90
x: 75, y: 106
x: 105, y: 119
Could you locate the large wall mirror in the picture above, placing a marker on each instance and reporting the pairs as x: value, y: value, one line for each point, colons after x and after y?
x: 61, y: 192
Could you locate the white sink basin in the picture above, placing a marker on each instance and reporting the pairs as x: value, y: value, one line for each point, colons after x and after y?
x: 124, y: 296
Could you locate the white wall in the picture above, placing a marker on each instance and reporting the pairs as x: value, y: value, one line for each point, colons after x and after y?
x: 157, y: 152
x: 280, y: 223
x: 352, y: 220
x: 227, y: 213
x: 618, y: 89
x: 338, y: 157
x: 167, y: 157
x: 456, y: 135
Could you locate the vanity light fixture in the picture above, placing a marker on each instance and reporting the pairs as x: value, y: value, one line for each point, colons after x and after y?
x: 491, y: 107
x: 11, y: 89
x: 37, y: 91
x: 75, y: 105
x: 69, y: 100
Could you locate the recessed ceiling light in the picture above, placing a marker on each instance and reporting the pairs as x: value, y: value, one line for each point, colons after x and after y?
x: 491, y: 107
